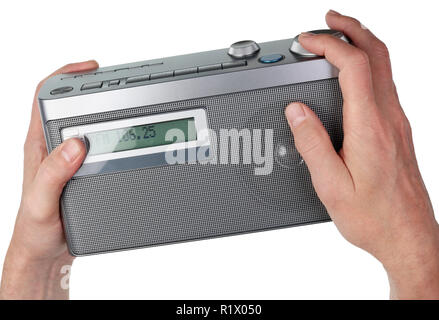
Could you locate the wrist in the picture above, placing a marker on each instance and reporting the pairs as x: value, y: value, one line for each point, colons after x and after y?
x: 29, y: 277
x: 419, y: 282
x: 413, y: 269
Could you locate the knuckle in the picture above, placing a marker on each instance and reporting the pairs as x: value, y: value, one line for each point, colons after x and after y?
x: 404, y: 127
x: 360, y: 58
x: 380, y: 49
x: 407, y: 126
x: 401, y: 121
x: 352, y: 23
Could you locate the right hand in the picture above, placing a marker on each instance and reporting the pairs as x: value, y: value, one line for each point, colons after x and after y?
x: 372, y: 187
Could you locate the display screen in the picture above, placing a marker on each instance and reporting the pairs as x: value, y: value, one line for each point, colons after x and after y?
x: 142, y: 136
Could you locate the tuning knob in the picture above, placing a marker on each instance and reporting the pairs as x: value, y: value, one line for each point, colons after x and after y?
x: 243, y: 49
x: 297, y: 48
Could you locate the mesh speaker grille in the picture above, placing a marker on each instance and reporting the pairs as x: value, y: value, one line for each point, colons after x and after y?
x: 168, y: 204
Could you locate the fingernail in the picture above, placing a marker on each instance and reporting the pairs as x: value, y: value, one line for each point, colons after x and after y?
x: 307, y: 35
x: 333, y: 12
x: 71, y: 150
x: 295, y: 114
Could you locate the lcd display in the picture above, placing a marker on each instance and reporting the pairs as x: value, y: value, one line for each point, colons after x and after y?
x: 141, y: 136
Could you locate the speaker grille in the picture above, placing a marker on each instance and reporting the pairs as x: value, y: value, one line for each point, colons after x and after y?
x: 168, y: 204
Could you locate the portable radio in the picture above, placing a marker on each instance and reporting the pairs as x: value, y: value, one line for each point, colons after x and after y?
x: 190, y: 147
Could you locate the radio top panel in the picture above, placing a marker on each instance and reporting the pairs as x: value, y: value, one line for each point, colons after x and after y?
x: 183, y: 77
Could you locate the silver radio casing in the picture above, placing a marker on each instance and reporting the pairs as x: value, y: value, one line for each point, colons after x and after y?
x: 126, y: 205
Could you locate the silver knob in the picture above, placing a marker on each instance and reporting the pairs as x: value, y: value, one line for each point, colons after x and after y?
x: 243, y: 49
x: 297, y: 48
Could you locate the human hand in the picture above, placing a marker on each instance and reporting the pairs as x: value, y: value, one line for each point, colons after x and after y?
x: 372, y: 187
x: 38, y: 250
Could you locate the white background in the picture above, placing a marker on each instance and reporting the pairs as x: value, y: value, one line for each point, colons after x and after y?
x: 315, y: 261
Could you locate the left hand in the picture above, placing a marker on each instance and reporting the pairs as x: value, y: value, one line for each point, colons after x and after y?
x: 38, y: 250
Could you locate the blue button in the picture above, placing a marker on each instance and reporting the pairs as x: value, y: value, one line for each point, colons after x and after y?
x: 271, y: 58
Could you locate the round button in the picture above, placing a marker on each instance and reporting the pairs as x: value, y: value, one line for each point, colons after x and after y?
x: 297, y: 48
x: 243, y: 49
x: 271, y: 58
x: 61, y: 90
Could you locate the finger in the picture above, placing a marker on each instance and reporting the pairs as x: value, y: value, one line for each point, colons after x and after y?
x: 354, y: 76
x: 53, y: 174
x: 35, y: 146
x: 376, y: 50
x: 328, y: 172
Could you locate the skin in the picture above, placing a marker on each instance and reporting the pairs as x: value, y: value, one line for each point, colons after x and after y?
x: 38, y: 250
x: 372, y: 187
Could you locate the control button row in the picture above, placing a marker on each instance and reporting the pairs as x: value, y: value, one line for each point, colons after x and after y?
x: 110, y: 71
x: 181, y: 72
x: 167, y: 74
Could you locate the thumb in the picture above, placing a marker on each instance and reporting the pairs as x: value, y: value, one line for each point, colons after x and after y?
x: 314, y: 145
x: 53, y: 174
